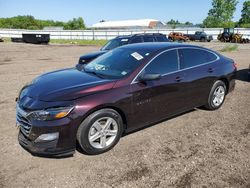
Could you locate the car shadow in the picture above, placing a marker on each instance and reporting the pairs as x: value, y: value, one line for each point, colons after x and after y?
x: 243, y: 75
x: 158, y: 122
x: 47, y: 156
x: 79, y: 149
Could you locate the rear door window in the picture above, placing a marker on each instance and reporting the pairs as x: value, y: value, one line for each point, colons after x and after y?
x: 148, y: 38
x: 192, y: 57
x: 165, y: 63
x: 161, y: 39
x: 136, y: 39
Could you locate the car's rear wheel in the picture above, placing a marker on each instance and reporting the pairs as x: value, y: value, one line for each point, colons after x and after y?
x: 203, y: 39
x: 217, y: 95
x: 100, y: 131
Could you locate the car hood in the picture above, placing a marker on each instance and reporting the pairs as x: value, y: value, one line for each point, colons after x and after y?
x: 67, y: 84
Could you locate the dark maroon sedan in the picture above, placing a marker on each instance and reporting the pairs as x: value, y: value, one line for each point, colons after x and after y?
x: 121, y: 91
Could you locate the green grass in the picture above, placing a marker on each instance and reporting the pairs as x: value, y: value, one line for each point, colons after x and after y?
x: 230, y: 48
x: 73, y: 41
x: 6, y: 39
x: 78, y: 42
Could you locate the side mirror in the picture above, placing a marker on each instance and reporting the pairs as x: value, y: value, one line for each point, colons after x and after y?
x: 79, y: 66
x: 149, y: 77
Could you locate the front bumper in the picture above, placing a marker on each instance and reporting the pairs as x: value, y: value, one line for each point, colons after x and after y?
x: 30, y: 133
x: 45, y: 148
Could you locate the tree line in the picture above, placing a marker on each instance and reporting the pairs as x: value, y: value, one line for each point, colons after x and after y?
x: 29, y: 22
x: 221, y: 15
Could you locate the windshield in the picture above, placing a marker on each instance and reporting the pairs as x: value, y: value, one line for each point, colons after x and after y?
x: 116, y: 64
x: 115, y: 43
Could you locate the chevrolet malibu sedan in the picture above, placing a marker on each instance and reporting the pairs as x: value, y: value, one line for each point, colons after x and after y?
x: 123, y: 90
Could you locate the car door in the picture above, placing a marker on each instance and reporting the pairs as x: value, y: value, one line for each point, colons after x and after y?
x: 156, y: 99
x: 199, y: 72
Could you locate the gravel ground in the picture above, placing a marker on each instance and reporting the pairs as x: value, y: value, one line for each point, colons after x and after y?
x: 197, y: 149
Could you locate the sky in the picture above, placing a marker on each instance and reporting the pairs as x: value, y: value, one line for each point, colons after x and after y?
x: 92, y: 11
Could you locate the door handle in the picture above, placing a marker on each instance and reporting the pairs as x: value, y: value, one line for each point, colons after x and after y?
x: 178, y: 79
x: 210, y: 70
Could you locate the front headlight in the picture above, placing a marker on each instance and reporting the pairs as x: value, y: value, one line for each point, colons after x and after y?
x: 50, y: 114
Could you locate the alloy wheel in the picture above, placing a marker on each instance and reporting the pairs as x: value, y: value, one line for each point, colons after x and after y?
x: 218, y: 96
x: 103, y: 132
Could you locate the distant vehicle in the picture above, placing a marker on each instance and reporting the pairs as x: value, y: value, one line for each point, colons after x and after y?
x: 124, y: 90
x: 229, y: 35
x: 123, y: 40
x: 15, y: 39
x: 176, y: 36
x: 36, y: 38
x: 200, y: 36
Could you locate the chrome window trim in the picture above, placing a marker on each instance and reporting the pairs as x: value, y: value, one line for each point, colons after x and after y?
x: 178, y: 59
x: 134, y: 81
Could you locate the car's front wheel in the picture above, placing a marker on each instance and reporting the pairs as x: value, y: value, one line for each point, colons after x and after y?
x: 100, y: 131
x: 217, y: 95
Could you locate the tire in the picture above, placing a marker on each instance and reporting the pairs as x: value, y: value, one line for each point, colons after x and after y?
x: 93, y: 128
x: 218, y: 87
x: 203, y: 39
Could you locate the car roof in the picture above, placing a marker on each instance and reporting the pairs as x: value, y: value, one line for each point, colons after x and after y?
x: 139, y: 34
x: 156, y: 46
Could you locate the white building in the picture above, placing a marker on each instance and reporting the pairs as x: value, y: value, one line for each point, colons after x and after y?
x: 129, y: 24
x: 55, y: 28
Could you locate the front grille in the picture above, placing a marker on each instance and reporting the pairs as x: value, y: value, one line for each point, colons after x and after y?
x: 23, y: 121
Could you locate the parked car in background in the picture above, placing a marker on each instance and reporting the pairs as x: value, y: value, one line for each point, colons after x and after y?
x: 200, y: 36
x: 123, y: 40
x: 176, y: 36
x: 121, y: 91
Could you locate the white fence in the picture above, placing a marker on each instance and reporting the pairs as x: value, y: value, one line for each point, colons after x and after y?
x: 109, y: 34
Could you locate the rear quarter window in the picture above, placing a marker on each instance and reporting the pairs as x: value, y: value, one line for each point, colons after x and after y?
x: 192, y: 57
x: 211, y: 56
